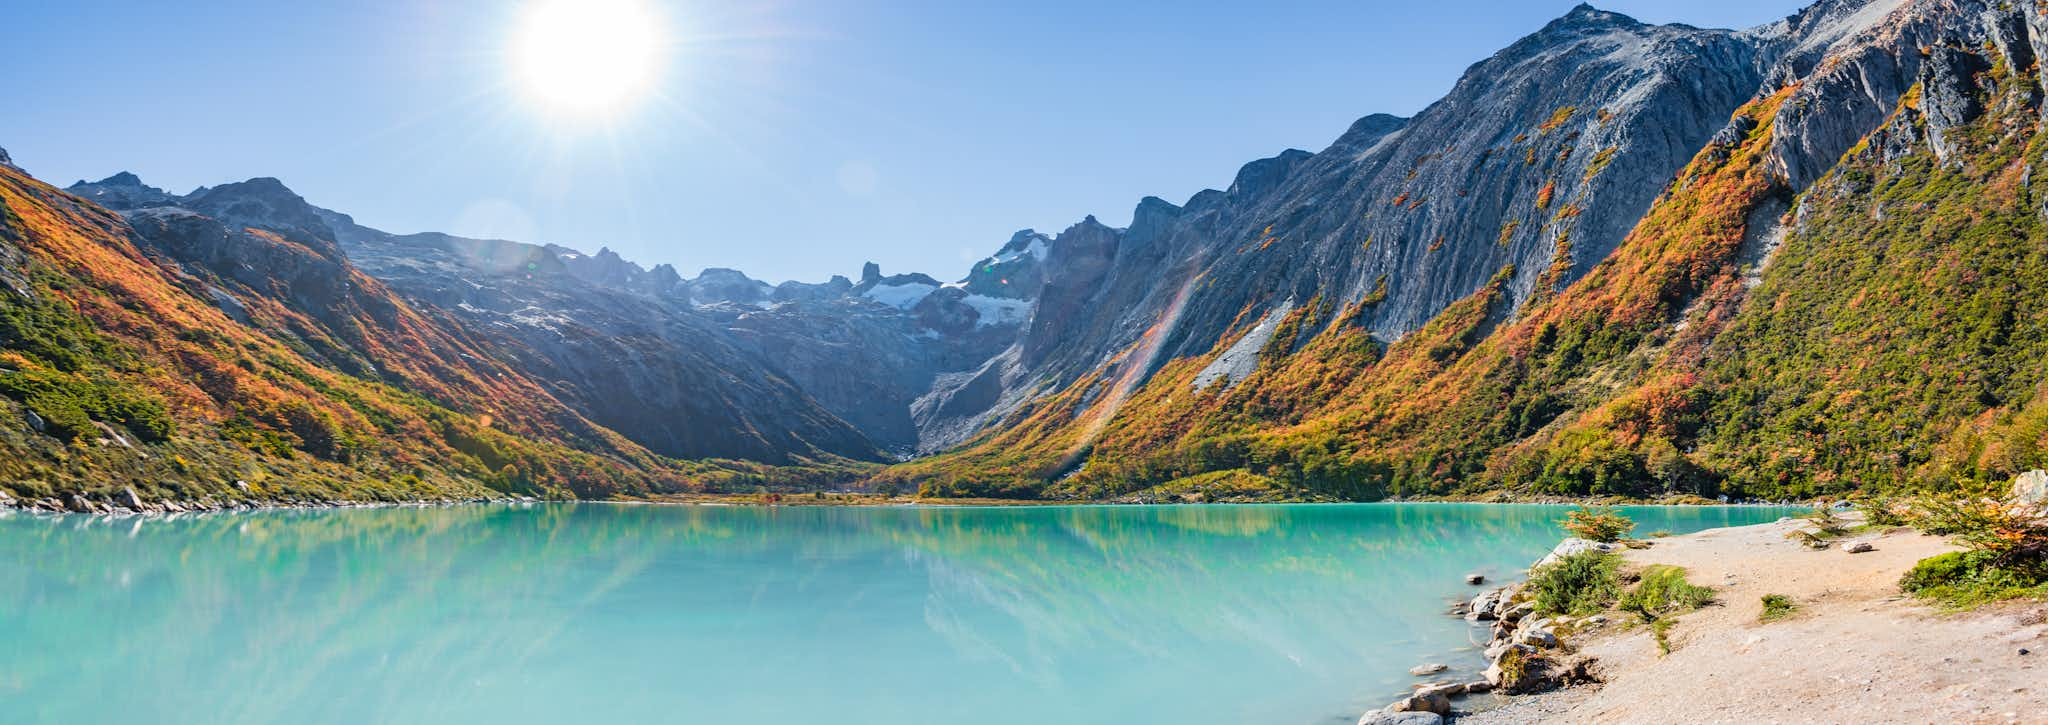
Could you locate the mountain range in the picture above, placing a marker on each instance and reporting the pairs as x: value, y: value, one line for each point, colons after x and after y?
x: 1616, y: 258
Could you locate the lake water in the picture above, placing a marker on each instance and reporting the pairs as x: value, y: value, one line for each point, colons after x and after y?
x: 701, y: 614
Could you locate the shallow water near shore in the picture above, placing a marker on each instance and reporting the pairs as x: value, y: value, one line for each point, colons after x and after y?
x: 594, y: 613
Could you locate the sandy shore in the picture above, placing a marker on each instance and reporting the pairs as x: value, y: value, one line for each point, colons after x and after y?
x: 1855, y: 651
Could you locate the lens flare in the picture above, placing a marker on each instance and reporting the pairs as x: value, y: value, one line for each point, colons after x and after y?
x: 587, y: 57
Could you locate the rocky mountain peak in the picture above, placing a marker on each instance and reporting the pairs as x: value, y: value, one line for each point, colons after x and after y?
x: 7, y: 161
x: 721, y: 284
x: 1367, y: 132
x: 1586, y: 17
x: 122, y: 192
x: 1259, y: 176
x: 266, y: 203
x: 124, y: 179
x: 870, y: 273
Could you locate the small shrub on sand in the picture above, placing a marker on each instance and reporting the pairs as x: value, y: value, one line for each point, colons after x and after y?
x: 1660, y: 594
x: 1582, y: 583
x: 1663, y: 590
x: 1776, y: 607
x: 1598, y: 523
x: 1882, y: 510
x: 1825, y: 521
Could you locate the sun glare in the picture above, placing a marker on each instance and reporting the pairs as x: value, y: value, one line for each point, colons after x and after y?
x: 587, y: 57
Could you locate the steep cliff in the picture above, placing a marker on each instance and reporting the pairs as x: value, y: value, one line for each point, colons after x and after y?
x: 1770, y: 281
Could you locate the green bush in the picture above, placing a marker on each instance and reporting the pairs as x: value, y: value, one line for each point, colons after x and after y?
x: 1776, y: 607
x: 1582, y: 583
x: 1944, y: 569
x: 1663, y: 590
x: 1963, y: 579
x: 68, y: 403
x: 1598, y: 523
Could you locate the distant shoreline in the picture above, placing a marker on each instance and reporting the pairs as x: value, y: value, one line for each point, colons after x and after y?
x: 828, y: 499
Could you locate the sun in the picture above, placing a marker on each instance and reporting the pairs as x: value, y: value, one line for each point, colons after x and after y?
x: 587, y: 58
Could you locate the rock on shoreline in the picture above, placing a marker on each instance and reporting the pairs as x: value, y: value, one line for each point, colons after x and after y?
x: 1524, y: 653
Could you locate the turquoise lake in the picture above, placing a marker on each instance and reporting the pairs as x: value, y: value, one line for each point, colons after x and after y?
x: 708, y: 614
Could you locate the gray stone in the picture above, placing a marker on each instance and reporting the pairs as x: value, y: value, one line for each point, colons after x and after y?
x: 1428, y: 669
x: 1572, y: 546
x: 1383, y: 717
x: 1535, y: 637
x: 1421, y: 702
x: 128, y: 498
x: 1860, y: 547
x: 2031, y: 488
x: 1475, y: 579
x: 1445, y: 689
x: 1482, y: 607
x: 1497, y: 650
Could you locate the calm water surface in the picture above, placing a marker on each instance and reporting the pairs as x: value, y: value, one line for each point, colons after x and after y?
x: 592, y: 613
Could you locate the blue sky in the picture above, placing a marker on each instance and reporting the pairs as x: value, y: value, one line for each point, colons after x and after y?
x: 792, y: 139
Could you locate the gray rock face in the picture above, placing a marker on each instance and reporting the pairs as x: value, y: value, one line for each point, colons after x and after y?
x: 646, y: 365
x: 1550, y: 150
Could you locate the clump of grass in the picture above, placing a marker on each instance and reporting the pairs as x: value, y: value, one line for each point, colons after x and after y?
x: 1662, y: 590
x: 1776, y: 607
x: 1661, y: 631
x: 1582, y: 583
x: 1604, y: 524
x: 1660, y: 534
x: 1661, y: 593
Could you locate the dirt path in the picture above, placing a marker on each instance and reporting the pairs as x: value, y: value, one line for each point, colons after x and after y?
x: 1856, y: 650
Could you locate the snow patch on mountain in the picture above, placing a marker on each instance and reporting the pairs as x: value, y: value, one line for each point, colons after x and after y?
x: 998, y: 310
x: 900, y: 296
